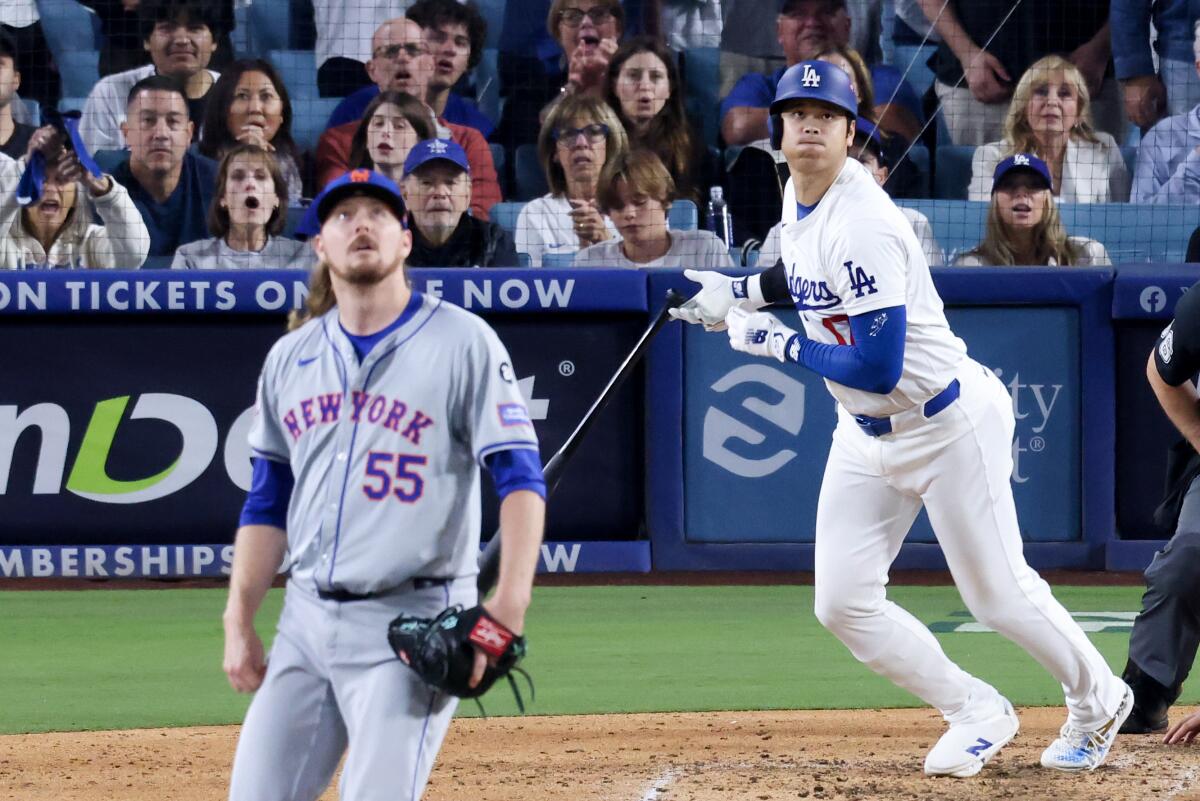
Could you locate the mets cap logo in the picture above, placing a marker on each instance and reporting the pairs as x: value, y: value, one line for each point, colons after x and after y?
x: 360, y: 176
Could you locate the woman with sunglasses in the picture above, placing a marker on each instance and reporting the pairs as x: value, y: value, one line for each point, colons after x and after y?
x: 578, y: 145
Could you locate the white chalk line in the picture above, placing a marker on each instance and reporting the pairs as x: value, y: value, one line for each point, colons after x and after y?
x: 664, y: 780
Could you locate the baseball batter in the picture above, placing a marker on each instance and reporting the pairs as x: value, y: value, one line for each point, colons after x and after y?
x: 919, y: 424
x: 373, y: 419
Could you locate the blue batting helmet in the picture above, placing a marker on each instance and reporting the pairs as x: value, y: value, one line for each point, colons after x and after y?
x: 812, y: 80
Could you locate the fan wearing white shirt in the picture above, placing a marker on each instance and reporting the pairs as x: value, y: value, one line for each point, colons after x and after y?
x: 637, y: 200
x: 1050, y: 117
x: 579, y: 142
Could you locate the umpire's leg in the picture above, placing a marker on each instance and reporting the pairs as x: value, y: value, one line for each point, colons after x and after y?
x: 1167, y: 632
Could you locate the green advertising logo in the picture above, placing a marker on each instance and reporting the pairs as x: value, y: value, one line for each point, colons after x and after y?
x: 89, y: 477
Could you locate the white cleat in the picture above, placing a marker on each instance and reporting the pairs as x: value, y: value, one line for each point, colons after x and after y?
x: 966, y: 747
x: 1076, y: 749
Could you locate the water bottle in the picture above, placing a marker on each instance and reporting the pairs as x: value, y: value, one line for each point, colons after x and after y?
x: 719, y: 221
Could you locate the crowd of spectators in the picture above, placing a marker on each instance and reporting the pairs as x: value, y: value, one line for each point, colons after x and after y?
x: 201, y: 141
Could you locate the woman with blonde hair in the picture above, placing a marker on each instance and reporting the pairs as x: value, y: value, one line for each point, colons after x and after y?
x: 579, y: 143
x: 1050, y: 116
x: 1023, y: 224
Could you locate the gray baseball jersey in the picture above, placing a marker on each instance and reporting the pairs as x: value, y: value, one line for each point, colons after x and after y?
x: 386, y: 453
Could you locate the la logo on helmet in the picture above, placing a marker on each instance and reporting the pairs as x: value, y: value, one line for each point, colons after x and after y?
x: 1021, y: 160
x: 810, y: 77
x: 437, y: 146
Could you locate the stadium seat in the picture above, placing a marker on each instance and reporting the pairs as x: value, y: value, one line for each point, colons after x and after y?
x: 298, y: 68
x: 71, y: 103
x: 702, y: 79
x: 505, y: 215
x: 953, y: 172
x: 487, y: 84
x: 493, y: 14
x: 294, y: 215
x: 68, y: 27
x: 524, y: 259
x: 558, y: 260
x: 269, y: 26
x: 309, y: 115
x: 499, y: 158
x: 919, y: 156
x: 531, y: 181
x: 1130, y: 232
x: 683, y: 216
x: 912, y: 61
x: 109, y: 160
x: 80, y: 70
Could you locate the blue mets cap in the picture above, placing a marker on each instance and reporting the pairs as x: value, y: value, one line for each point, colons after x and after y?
x: 428, y: 150
x: 1021, y: 161
x: 356, y: 182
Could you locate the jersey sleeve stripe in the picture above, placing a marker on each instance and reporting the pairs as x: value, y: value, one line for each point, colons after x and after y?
x: 515, y: 444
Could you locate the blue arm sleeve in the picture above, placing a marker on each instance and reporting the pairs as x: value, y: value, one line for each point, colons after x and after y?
x: 270, y: 492
x: 516, y: 469
x: 873, y: 363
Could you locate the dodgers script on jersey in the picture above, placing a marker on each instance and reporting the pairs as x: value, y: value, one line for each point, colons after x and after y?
x: 855, y: 254
x: 384, y: 451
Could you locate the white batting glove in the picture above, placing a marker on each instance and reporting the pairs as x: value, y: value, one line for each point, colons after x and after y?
x: 709, y: 306
x: 757, y: 333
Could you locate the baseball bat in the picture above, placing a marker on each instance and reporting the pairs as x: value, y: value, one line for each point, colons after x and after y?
x: 489, y: 560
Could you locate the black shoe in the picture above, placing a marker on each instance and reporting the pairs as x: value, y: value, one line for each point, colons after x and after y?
x: 1151, y: 702
x: 1145, y: 720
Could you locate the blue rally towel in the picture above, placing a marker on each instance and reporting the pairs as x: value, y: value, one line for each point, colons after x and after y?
x: 29, y: 188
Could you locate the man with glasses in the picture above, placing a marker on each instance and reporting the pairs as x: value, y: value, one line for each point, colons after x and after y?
x: 401, y: 62
x: 587, y: 32
x: 454, y: 34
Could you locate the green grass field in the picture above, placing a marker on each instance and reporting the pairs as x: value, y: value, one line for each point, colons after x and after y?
x: 111, y: 659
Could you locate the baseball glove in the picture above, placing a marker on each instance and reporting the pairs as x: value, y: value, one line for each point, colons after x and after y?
x: 441, y: 650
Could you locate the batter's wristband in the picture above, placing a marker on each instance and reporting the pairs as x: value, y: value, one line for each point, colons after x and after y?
x: 791, y: 351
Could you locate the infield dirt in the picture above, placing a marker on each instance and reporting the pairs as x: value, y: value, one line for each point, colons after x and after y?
x: 758, y: 756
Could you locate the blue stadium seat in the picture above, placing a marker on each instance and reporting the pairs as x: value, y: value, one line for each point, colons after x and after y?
x: 558, y: 260
x: 702, y: 77
x: 499, y: 158
x: 524, y: 259
x: 487, y: 84
x: 71, y: 103
x: 953, y: 172
x: 269, y: 26
x: 309, y: 115
x: 912, y: 59
x: 919, y: 156
x: 109, y: 160
x: 1130, y: 232
x: 80, y: 69
x: 505, y: 215
x: 683, y: 216
x: 68, y: 27
x: 1133, y: 232
x: 298, y: 68
x: 493, y: 14
x: 294, y: 215
x: 531, y: 181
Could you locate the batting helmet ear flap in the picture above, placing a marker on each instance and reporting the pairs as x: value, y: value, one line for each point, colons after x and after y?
x: 775, y: 129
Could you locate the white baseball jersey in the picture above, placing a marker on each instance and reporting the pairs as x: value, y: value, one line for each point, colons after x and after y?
x: 386, y: 453
x: 853, y: 254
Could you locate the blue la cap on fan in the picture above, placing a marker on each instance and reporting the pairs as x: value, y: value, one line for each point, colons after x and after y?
x: 1021, y: 161
x: 428, y: 150
x: 812, y: 80
x: 356, y: 182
